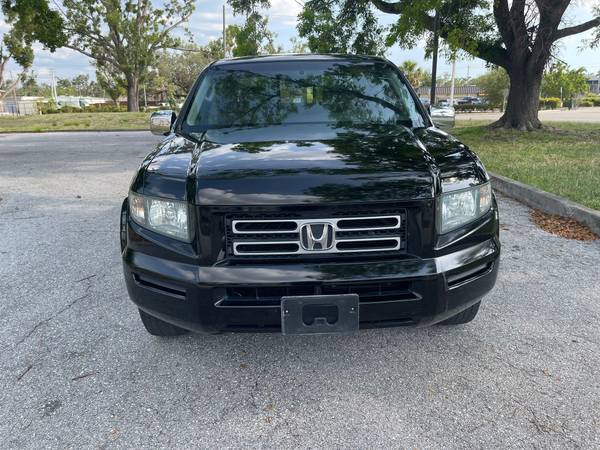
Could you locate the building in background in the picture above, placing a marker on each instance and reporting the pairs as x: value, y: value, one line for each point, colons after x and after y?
x: 78, y: 102
x: 594, y: 83
x: 443, y: 92
x: 19, y: 106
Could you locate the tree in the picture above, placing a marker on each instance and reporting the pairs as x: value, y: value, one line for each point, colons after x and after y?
x: 253, y: 38
x: 30, y: 86
x: 123, y: 37
x: 299, y: 46
x: 29, y: 21
x: 562, y: 82
x: 494, y: 84
x: 84, y: 86
x: 111, y: 85
x: 595, y: 40
x: 79, y: 85
x: 182, y: 68
x: 415, y: 75
x: 517, y: 35
x: 318, y: 24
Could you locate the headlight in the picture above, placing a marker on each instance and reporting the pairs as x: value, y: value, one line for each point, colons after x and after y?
x: 168, y: 217
x: 458, y: 208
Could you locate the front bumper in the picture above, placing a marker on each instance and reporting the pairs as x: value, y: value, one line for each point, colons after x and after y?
x: 198, y: 298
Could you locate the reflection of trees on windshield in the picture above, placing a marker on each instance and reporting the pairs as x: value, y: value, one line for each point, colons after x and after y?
x: 244, y: 98
x: 352, y: 94
x: 341, y: 94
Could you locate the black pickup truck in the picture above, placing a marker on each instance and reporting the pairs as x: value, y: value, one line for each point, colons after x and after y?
x: 306, y: 194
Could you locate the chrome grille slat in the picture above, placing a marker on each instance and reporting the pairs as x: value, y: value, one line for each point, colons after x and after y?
x: 235, y: 223
x: 384, y: 232
x: 334, y: 222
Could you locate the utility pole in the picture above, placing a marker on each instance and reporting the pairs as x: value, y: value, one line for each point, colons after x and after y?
x: 561, y: 95
x: 436, y: 41
x: 53, y: 88
x: 14, y: 89
x: 452, y: 81
x: 224, y: 35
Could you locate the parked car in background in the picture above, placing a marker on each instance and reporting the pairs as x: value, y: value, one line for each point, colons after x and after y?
x: 443, y: 116
x: 470, y: 101
x: 445, y: 103
x: 306, y: 194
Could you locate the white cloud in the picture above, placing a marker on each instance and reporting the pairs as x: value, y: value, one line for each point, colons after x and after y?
x: 61, y: 54
x: 284, y: 8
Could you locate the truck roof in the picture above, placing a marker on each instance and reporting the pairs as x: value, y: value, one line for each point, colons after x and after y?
x: 297, y: 57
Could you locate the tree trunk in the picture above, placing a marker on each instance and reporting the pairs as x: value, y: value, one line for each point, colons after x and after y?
x: 3, y: 61
x: 133, y: 90
x: 523, y: 99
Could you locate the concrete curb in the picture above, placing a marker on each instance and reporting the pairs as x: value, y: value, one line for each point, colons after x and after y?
x: 546, y: 202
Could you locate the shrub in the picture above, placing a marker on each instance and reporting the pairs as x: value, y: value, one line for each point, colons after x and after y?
x: 593, y: 99
x: 586, y: 103
x: 550, y: 103
x: 104, y: 107
x: 69, y: 109
x: 47, y: 107
x: 470, y: 108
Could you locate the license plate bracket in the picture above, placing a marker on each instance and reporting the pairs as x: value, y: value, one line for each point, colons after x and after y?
x: 320, y: 314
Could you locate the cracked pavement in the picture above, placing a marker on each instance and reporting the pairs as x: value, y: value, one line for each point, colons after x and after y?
x: 78, y: 370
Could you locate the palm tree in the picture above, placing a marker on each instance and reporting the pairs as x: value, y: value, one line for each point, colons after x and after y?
x: 413, y: 72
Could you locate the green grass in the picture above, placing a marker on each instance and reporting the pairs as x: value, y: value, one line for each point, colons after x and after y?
x: 75, y: 121
x: 564, y: 159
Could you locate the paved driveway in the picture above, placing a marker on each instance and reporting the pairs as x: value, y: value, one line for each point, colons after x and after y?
x: 78, y: 370
x: 590, y: 115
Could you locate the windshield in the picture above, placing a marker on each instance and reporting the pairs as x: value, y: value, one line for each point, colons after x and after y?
x: 307, y: 92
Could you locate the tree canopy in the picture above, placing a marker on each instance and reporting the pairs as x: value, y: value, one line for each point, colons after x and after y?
x: 253, y: 37
x: 29, y: 21
x: 182, y: 68
x: 562, y: 82
x: 416, y: 75
x: 319, y: 24
x: 494, y: 84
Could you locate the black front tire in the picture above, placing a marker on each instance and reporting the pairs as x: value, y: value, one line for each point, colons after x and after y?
x: 157, y: 327
x: 463, y: 317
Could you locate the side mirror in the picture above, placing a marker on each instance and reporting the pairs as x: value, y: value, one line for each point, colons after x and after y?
x: 444, y: 117
x: 162, y: 121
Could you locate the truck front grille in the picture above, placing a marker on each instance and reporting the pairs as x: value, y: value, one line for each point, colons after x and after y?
x: 289, y: 236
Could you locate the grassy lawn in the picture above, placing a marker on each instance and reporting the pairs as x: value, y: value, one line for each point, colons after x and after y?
x: 564, y: 160
x: 75, y: 121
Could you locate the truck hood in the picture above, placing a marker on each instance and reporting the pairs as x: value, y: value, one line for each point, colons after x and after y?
x: 287, y: 165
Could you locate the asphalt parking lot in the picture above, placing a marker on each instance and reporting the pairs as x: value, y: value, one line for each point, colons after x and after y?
x: 79, y: 371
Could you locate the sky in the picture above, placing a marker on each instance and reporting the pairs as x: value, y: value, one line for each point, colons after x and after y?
x: 206, y: 24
